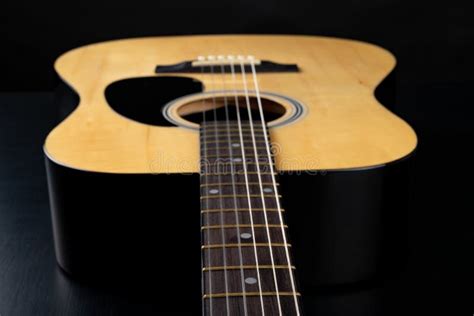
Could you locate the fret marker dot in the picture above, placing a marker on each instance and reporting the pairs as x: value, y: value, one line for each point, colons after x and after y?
x: 235, y: 145
x: 213, y: 191
x: 245, y: 235
x: 250, y: 280
x: 267, y: 190
x: 237, y: 159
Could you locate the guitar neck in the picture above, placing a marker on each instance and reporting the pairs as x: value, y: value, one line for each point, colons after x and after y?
x: 246, y: 259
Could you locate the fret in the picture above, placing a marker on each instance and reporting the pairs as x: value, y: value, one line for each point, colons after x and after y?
x: 219, y: 163
x: 234, y: 137
x: 246, y: 147
x: 220, y: 295
x: 236, y: 174
x: 236, y: 184
x: 234, y: 167
x: 230, y: 123
x: 233, y: 128
x: 231, y: 167
x: 249, y: 154
x: 227, y: 170
x: 242, y: 210
x: 204, y: 247
x: 224, y: 155
x: 228, y: 162
x: 217, y: 196
x: 242, y: 225
x: 226, y: 146
x: 208, y: 130
x: 226, y: 141
x: 235, y: 134
x: 253, y: 267
x: 235, y: 160
x: 214, y: 124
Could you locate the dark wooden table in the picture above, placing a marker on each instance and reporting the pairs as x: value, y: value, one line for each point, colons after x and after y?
x: 437, y: 266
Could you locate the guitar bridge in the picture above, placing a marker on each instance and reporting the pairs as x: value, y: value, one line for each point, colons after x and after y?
x: 221, y: 64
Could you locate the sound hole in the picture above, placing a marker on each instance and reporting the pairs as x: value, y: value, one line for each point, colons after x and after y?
x: 223, y: 108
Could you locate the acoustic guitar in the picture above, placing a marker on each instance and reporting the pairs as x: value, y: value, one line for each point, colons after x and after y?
x: 235, y: 174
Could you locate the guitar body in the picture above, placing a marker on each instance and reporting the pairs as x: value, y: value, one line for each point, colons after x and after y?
x: 123, y: 166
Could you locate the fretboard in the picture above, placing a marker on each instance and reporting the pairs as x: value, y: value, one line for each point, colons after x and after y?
x: 246, y: 262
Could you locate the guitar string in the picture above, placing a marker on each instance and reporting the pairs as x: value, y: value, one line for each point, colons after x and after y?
x: 224, y: 252
x: 206, y: 202
x: 267, y: 146
x: 252, y: 132
x: 247, y: 186
x: 234, y: 190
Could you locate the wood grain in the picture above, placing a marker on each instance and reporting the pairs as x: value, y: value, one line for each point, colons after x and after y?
x: 345, y: 126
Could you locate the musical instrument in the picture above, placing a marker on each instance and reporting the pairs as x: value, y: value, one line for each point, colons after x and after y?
x: 192, y: 160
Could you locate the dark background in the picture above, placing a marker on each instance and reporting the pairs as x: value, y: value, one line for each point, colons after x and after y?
x: 434, y: 44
